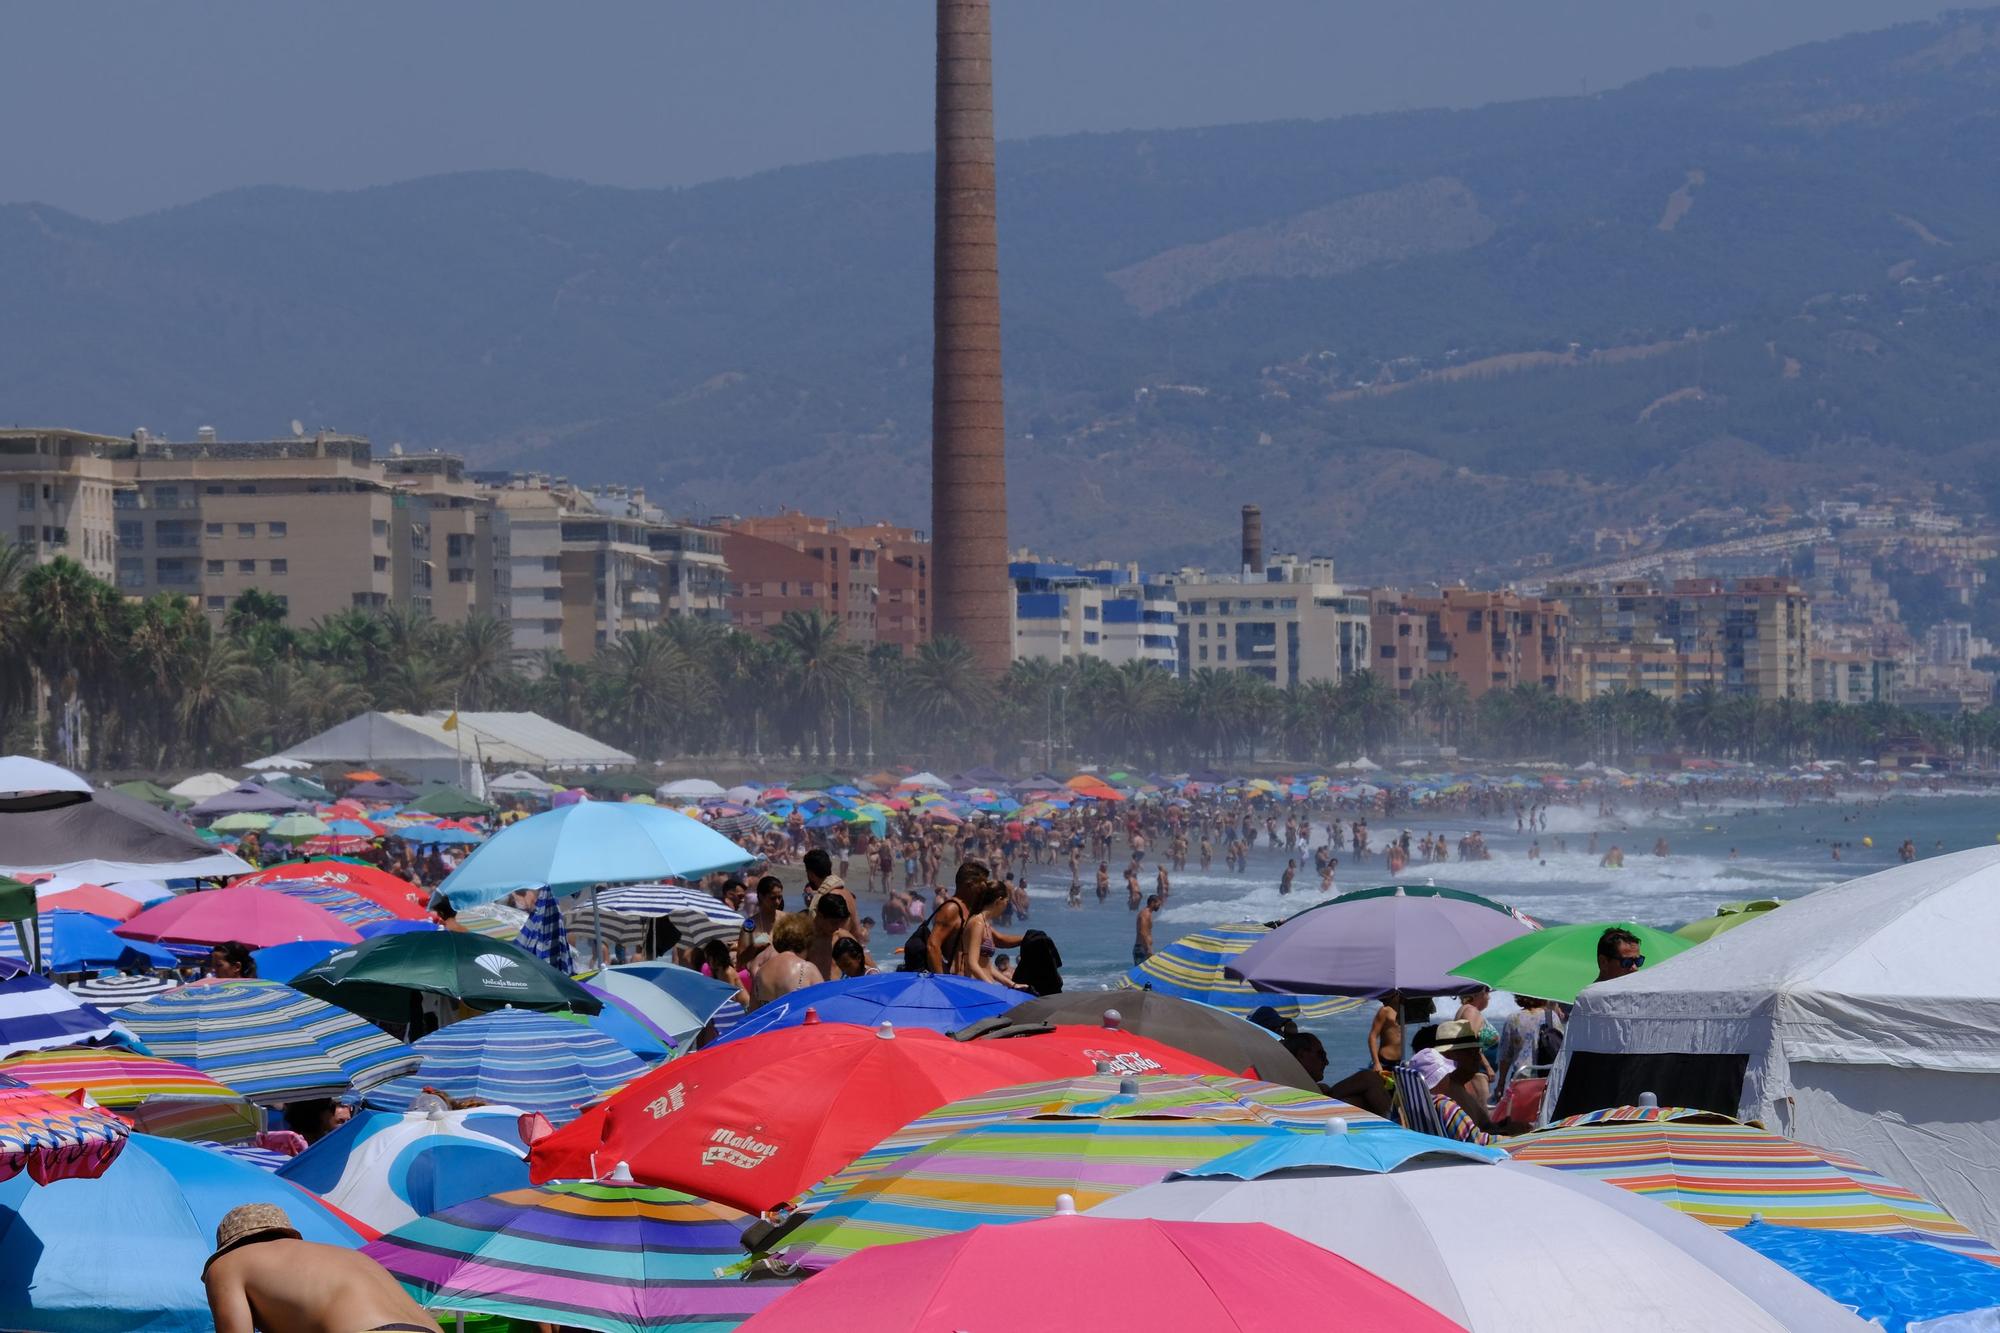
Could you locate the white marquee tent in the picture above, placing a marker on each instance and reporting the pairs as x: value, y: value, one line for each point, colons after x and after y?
x: 1864, y: 1018
x: 419, y: 745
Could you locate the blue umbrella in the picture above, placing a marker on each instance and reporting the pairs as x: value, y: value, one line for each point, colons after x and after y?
x: 629, y: 1027
x: 1366, y: 1145
x: 941, y: 1003
x: 83, y: 942
x: 370, y: 929
x: 515, y: 1057
x: 282, y: 962
x: 440, y: 837
x: 36, y: 1014
x: 1885, y: 1278
x: 676, y: 1000
x: 591, y: 842
x: 543, y: 935
x: 125, y: 1251
x: 389, y: 1168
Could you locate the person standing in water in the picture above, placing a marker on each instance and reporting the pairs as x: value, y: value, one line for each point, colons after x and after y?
x: 1142, y: 939
x: 1285, y: 880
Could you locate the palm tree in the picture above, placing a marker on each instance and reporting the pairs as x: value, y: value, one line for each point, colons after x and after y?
x: 1441, y: 699
x: 1372, y: 706
x: 825, y: 672
x: 155, y: 649
x: 214, y: 678
x: 69, y: 618
x: 1136, y: 703
x: 16, y: 663
x: 481, y: 658
x: 946, y: 692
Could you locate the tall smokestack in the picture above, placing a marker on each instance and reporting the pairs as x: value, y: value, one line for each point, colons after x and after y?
x: 970, y: 593
x: 1253, y: 540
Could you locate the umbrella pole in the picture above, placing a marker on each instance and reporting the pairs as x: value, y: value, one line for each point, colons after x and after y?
x: 596, y: 927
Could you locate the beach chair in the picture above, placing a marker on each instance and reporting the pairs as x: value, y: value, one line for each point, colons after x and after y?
x: 1413, y: 1105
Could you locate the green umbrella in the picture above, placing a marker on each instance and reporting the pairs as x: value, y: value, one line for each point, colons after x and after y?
x: 153, y: 794
x: 377, y: 978
x: 621, y: 782
x: 1727, y: 917
x: 243, y: 821
x: 1556, y: 963
x: 816, y: 782
x: 449, y: 801
x: 299, y: 788
x: 17, y: 900
x: 297, y: 827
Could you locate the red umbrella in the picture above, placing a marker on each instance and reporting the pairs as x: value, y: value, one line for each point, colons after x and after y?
x: 54, y: 1138
x: 400, y: 896
x: 258, y: 917
x: 93, y: 898
x: 755, y: 1122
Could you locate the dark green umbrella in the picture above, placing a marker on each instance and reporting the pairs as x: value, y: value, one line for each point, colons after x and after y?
x: 448, y: 802
x: 816, y: 782
x: 153, y: 794
x: 377, y: 978
x: 636, y: 783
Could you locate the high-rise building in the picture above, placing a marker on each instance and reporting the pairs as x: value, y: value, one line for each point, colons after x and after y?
x: 1066, y: 613
x: 1489, y: 640
x: 62, y: 488
x: 968, y: 441
x: 1291, y: 623
x: 873, y: 579
x: 1752, y: 637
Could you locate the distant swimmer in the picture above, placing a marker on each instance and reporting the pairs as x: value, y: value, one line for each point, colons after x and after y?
x: 1660, y: 847
x: 1613, y: 859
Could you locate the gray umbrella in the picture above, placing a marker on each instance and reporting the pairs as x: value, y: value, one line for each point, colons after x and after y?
x: 116, y: 836
x: 1404, y: 938
x: 246, y: 798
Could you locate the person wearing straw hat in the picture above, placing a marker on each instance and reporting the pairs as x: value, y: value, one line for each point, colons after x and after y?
x: 263, y: 1278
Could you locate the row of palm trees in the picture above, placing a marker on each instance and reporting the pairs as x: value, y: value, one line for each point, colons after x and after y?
x: 154, y: 685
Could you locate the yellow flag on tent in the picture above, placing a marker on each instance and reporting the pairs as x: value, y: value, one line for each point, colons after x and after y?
x: 451, y: 723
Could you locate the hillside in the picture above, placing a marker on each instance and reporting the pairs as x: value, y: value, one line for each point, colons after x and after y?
x: 1425, y: 340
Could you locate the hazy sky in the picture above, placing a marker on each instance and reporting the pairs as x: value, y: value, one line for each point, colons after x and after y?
x: 121, y: 108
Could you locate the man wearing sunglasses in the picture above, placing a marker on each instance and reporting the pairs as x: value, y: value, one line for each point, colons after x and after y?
x: 1618, y: 954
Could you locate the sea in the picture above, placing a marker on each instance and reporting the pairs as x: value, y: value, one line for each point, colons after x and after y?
x: 1728, y: 851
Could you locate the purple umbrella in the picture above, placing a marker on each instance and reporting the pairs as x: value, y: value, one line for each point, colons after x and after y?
x: 1373, y: 941
x: 246, y: 798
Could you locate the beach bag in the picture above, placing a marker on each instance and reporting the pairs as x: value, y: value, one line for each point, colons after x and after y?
x: 1548, y: 1040
x: 917, y: 947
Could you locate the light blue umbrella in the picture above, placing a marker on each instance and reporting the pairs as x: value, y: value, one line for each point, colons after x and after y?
x: 677, y: 1000
x: 515, y: 1057
x: 907, y: 999
x: 388, y: 1168
x: 590, y: 842
x: 125, y: 1251
x: 1366, y: 1145
x: 1885, y: 1278
x: 83, y: 942
x: 431, y: 835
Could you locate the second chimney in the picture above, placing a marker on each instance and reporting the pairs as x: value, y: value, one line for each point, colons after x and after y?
x: 1253, y: 540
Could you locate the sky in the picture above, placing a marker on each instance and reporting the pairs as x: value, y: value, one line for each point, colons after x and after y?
x: 120, y: 107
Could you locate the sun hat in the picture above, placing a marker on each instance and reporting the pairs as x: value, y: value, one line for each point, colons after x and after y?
x: 1430, y: 1066
x: 249, y: 1223
x: 1455, y: 1035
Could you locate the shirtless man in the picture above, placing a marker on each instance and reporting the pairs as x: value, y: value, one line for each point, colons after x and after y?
x: 785, y: 969
x: 1285, y: 880
x: 1103, y: 880
x: 1142, y: 939
x: 1385, y: 1033
x: 1132, y: 886
x: 263, y: 1277
x: 1207, y: 854
x: 1162, y: 886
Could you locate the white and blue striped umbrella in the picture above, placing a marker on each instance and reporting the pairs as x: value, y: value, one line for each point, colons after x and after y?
x: 389, y: 1168
x: 115, y: 992
x: 266, y: 1040
x: 621, y: 914
x: 543, y: 935
x: 81, y: 941
x: 515, y: 1057
x: 36, y: 1014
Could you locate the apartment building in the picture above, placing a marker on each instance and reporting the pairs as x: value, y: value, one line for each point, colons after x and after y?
x: 62, y: 487
x: 1288, y: 623
x: 874, y: 579
x: 1595, y: 669
x: 1753, y: 637
x: 1489, y: 640
x: 1067, y: 613
x: 1854, y: 677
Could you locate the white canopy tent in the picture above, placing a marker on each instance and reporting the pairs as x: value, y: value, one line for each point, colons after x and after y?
x: 1864, y: 1018
x: 421, y: 747
x: 520, y: 780
x: 202, y: 786
x: 688, y: 789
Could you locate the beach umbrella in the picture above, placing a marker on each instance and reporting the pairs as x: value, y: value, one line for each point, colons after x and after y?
x: 1192, y: 1277
x: 380, y: 790
x: 92, y: 898
x: 399, y: 896
x: 1557, y: 962
x: 753, y: 1123
x: 626, y: 1026
x: 243, y: 822
x: 244, y: 797
x: 379, y: 977
x: 79, y: 941
x: 514, y: 1057
x: 908, y: 999
x: 448, y: 801
x: 677, y: 1000
x: 1233, y: 1043
x: 591, y: 842
x: 520, y: 782
x: 1191, y: 968
x: 1404, y: 938
x: 438, y: 835
x: 266, y: 1040
x: 158, y: 1096
x: 1005, y: 1173
x: 61, y: 824
x: 256, y: 916
x: 603, y: 1255
x: 202, y: 786
x: 1429, y: 1228
x: 52, y: 1137
x: 1105, y: 1097
x: 1727, y: 917
x: 125, y: 1251
x: 341, y: 904
x: 115, y: 992
x: 153, y: 794
x: 36, y: 1014
x: 496, y: 921
x: 1727, y: 1174
x: 296, y: 827
x: 543, y: 934
x: 690, y: 789
x: 355, y: 828
x: 282, y: 962
x: 1890, y: 1281
x: 388, y: 1168
x: 621, y: 914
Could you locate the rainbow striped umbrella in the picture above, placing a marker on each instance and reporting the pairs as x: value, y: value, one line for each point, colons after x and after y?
x: 1102, y: 1097
x: 1010, y: 1172
x: 159, y: 1097
x: 606, y: 1256
x: 343, y: 904
x: 1192, y: 969
x: 1727, y: 1174
x: 53, y: 1138
x: 266, y: 1040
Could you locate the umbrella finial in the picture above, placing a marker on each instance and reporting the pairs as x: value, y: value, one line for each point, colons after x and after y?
x: 1128, y: 1087
x: 1649, y: 1100
x: 812, y: 1016
x: 1337, y: 1125
x: 621, y: 1174
x: 885, y: 1030
x: 1113, y: 1019
x: 1065, y: 1206
x: 1103, y: 1067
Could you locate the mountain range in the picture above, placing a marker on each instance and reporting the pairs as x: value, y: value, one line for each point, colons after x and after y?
x: 1425, y: 342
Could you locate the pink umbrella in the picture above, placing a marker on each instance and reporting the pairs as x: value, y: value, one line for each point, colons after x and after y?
x: 1102, y: 1273
x: 256, y: 916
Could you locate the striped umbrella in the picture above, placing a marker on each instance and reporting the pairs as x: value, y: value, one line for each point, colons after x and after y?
x: 543, y: 935
x: 1192, y: 968
x: 389, y: 1168
x: 266, y: 1040
x: 398, y: 895
x: 1725, y: 1174
x: 158, y: 1096
x: 996, y: 1174
x: 342, y: 904
x: 72, y: 941
x: 622, y: 914
x: 494, y: 920
x: 515, y: 1057
x: 1102, y: 1097
x: 54, y: 1138
x: 35, y: 1013
x: 677, y: 1000
x: 118, y: 991
x: 603, y: 1255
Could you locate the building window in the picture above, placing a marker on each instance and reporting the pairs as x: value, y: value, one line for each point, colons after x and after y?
x: 1204, y: 653
x: 381, y: 564
x: 27, y: 500
x: 380, y: 527
x: 277, y: 529
x: 1222, y: 652
x: 281, y: 567
x: 25, y: 534
x: 215, y: 566
x: 552, y: 594
x: 211, y: 529
x: 246, y: 529
x: 212, y: 490
x: 246, y: 566
x: 218, y: 603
